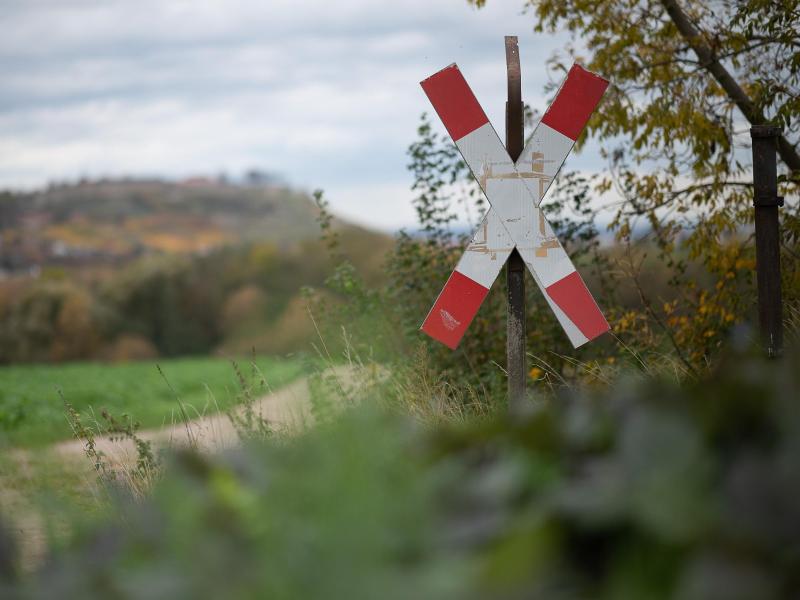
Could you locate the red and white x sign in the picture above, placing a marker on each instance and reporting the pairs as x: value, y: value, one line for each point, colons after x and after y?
x: 514, y: 191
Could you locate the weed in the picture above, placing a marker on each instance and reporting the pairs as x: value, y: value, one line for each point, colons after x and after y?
x: 86, y: 434
x: 249, y: 422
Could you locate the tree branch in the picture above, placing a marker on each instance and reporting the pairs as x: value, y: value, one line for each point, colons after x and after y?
x: 711, y: 63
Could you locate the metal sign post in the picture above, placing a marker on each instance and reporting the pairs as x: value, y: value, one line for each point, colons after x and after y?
x: 768, y: 256
x: 514, y: 187
x: 515, y: 267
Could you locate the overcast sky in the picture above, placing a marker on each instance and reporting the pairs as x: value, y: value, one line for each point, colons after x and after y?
x: 324, y: 93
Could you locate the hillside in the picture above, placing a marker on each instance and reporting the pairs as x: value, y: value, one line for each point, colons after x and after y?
x: 117, y: 270
x: 116, y: 220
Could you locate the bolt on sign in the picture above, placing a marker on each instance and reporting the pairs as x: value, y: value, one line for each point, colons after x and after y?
x: 514, y: 191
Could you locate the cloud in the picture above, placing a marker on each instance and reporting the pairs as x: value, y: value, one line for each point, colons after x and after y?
x: 325, y: 93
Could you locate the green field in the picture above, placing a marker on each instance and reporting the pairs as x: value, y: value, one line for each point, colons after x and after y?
x: 32, y: 412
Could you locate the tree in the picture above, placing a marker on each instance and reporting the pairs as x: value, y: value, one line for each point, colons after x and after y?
x: 689, y: 78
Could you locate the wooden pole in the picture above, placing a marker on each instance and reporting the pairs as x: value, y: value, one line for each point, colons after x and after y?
x: 515, y: 267
x: 768, y: 257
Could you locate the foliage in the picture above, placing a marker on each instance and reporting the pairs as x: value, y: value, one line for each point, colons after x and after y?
x: 53, y: 320
x: 349, y: 313
x: 653, y: 490
x: 31, y: 413
x: 170, y: 305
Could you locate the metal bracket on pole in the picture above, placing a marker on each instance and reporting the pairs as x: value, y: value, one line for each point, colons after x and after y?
x: 515, y: 267
x: 768, y: 257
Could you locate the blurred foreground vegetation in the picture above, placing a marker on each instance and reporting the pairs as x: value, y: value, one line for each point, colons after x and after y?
x: 649, y: 489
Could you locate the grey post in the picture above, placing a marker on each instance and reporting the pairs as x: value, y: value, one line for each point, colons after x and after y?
x: 515, y: 268
x: 768, y: 256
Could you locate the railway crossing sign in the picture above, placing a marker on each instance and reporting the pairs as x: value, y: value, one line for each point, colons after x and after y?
x: 514, y: 190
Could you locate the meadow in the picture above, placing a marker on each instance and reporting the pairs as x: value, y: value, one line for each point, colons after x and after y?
x: 32, y: 409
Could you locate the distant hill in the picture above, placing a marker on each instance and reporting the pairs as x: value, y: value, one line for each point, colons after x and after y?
x: 132, y: 269
x: 116, y: 220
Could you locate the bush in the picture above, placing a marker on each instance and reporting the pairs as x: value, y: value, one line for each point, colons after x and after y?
x: 51, y: 320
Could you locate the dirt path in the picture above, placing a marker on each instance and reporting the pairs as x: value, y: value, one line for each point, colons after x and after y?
x: 288, y: 408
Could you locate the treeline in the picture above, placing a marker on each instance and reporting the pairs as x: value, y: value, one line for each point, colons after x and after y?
x: 231, y: 301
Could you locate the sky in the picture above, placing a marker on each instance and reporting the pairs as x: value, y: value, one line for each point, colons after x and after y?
x: 324, y: 94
